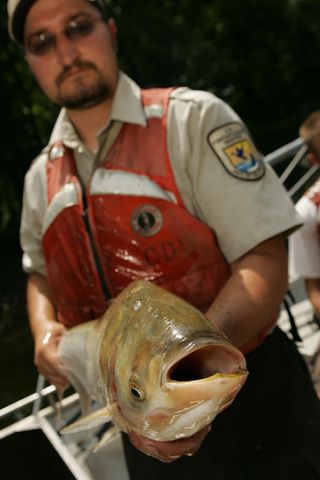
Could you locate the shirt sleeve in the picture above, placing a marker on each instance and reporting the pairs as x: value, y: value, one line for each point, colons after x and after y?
x: 33, y: 210
x: 304, y: 251
x: 243, y: 209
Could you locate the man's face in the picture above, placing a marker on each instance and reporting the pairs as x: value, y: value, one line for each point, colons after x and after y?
x: 71, y: 52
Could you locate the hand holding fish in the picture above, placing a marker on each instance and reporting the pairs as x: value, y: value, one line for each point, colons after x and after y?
x: 159, y: 369
x: 46, y: 356
x: 47, y: 332
x: 169, y: 451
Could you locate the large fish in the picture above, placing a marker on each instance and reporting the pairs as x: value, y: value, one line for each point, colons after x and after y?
x: 154, y: 363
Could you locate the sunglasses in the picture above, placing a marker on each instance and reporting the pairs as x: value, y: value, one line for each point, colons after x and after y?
x: 41, y: 43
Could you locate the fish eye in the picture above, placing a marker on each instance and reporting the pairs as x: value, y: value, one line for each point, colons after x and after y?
x: 136, y: 393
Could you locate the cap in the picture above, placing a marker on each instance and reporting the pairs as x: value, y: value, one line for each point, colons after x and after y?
x: 18, y: 9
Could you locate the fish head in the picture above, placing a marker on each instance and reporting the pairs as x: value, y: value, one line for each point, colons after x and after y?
x: 169, y: 372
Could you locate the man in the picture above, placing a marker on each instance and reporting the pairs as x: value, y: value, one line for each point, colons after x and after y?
x: 164, y: 184
x: 304, y: 251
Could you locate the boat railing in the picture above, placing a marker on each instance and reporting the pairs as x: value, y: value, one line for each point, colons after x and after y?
x: 297, y: 174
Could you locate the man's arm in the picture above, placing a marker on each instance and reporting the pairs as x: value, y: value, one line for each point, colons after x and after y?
x: 248, y: 302
x: 251, y: 298
x: 45, y: 330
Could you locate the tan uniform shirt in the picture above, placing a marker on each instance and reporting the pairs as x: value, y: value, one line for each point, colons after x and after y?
x: 242, y: 212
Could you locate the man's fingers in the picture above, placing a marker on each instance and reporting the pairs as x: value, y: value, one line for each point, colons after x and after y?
x: 48, y: 365
x: 169, y: 451
x: 54, y: 376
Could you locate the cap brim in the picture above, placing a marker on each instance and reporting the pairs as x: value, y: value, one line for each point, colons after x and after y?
x: 17, y: 24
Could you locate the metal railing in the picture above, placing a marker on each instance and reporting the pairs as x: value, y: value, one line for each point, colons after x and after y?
x: 296, y: 152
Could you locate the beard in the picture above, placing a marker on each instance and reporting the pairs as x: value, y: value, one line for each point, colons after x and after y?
x: 84, y: 95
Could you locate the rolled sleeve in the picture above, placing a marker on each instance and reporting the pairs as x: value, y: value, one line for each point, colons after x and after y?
x: 34, y: 204
x: 242, y: 212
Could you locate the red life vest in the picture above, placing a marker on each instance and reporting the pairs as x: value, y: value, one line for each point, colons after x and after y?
x: 130, y: 223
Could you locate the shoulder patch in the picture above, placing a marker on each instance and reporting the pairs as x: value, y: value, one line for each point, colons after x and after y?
x: 236, y: 151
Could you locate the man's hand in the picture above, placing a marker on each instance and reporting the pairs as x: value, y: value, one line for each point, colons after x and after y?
x: 169, y: 451
x: 47, y: 332
x: 46, y: 357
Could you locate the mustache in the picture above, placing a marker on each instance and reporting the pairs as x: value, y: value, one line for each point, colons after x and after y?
x: 68, y: 68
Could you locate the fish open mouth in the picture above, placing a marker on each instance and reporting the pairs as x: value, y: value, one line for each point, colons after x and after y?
x: 206, y: 361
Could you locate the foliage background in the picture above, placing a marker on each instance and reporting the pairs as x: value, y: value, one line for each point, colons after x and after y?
x: 260, y: 56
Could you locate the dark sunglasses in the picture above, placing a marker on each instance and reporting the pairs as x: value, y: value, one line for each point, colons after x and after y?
x: 43, y: 42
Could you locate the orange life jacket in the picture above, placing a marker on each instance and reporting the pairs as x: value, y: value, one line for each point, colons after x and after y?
x: 130, y: 223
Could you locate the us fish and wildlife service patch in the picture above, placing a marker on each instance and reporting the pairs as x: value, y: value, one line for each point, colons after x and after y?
x: 236, y: 151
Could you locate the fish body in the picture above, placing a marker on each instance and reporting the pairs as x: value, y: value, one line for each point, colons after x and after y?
x: 154, y: 362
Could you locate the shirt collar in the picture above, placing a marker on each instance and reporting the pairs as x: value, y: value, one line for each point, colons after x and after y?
x: 126, y: 108
x: 126, y: 105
